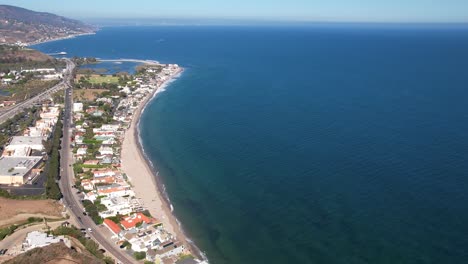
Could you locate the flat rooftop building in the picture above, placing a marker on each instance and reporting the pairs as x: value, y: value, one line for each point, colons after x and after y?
x: 22, y: 141
x: 37, y: 239
x: 17, y: 170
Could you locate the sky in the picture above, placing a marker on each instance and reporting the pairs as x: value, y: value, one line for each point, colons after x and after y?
x: 275, y: 10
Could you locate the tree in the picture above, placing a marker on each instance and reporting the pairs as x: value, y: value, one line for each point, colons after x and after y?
x: 139, y: 255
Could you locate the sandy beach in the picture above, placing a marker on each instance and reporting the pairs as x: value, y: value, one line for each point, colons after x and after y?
x: 144, y: 182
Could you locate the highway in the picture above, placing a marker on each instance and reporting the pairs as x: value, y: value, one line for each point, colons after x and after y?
x: 4, y: 116
x: 70, y: 198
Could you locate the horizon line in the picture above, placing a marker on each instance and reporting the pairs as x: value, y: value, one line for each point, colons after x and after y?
x: 247, y: 21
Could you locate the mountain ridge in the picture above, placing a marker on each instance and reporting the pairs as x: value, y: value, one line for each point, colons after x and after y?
x: 23, y: 26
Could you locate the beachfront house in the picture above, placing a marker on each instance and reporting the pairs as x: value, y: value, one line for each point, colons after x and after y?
x: 132, y: 221
x: 103, y: 173
x: 114, y: 190
x: 104, y: 150
x: 171, y: 249
x: 116, y: 206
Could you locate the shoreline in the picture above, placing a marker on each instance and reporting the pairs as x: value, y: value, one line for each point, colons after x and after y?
x: 138, y: 168
x: 29, y: 44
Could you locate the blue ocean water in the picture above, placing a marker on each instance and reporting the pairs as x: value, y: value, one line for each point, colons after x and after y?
x: 309, y: 144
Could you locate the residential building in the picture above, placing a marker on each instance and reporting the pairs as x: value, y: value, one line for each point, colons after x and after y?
x: 103, y: 173
x: 37, y: 239
x: 77, y: 107
x: 18, y: 170
x: 131, y: 221
x: 106, y: 150
x: 113, y: 227
x: 34, y: 143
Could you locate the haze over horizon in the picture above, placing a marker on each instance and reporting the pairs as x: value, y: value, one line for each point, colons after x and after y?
x: 397, y: 11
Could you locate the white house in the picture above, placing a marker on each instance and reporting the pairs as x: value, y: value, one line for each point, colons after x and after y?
x: 82, y: 151
x: 106, y: 150
x: 77, y: 107
x: 115, y: 205
x: 103, y: 173
x: 37, y: 239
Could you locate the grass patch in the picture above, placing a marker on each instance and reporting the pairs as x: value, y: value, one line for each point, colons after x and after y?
x: 98, y: 79
x: 88, y: 94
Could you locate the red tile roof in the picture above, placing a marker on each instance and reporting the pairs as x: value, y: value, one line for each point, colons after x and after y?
x: 112, y: 226
x: 133, y: 220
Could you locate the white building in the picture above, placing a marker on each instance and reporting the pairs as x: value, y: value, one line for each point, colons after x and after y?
x: 18, y: 170
x: 77, y: 107
x: 173, y: 250
x: 34, y: 143
x: 115, y: 206
x: 82, y: 151
x: 106, y: 150
x: 106, y: 128
x: 41, y: 70
x: 36, y: 132
x: 50, y: 112
x: 103, y: 173
x: 37, y: 239
x: 55, y: 76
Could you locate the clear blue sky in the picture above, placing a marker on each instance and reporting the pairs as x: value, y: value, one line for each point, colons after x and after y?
x: 303, y: 10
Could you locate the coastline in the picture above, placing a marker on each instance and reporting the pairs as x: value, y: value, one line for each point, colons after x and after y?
x: 29, y: 44
x: 138, y: 169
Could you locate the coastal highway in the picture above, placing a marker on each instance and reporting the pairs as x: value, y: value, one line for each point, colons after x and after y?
x: 70, y: 199
x: 4, y: 116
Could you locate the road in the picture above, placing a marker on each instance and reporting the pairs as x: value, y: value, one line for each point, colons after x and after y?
x: 70, y: 198
x: 4, y: 116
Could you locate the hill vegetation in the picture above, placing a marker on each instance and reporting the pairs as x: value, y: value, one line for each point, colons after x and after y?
x: 55, y: 253
x: 27, y: 26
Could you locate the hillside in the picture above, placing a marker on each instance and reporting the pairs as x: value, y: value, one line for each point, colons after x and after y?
x: 54, y: 254
x: 27, y: 26
x: 14, y: 54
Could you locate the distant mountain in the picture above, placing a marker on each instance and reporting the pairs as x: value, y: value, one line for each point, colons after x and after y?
x: 27, y: 26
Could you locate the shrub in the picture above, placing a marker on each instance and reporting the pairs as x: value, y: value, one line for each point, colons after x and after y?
x: 139, y: 255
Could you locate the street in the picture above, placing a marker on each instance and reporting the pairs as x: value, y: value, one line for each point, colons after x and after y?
x: 30, y: 102
x: 71, y: 200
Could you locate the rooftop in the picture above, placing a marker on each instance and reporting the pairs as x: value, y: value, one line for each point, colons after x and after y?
x: 112, y: 226
x: 133, y: 220
x: 39, y: 239
x: 17, y: 166
x: 22, y: 140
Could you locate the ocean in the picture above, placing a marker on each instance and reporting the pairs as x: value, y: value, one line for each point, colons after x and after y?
x: 308, y: 144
